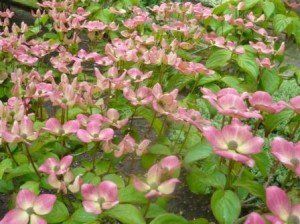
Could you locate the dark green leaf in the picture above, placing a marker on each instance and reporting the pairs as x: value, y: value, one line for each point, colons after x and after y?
x: 169, y: 219
x: 58, y: 214
x: 218, y: 59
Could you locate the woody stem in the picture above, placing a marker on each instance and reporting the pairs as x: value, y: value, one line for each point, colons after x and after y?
x: 31, y: 160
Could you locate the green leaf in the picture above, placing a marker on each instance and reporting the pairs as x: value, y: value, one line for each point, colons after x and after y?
x: 271, y: 121
x: 148, y: 115
x: 234, y: 82
x: 248, y: 64
x: 177, y: 81
x: 130, y: 195
x: 250, y: 3
x: 160, y: 149
x: 263, y: 162
x: 268, y: 8
x: 20, y: 171
x: 118, y: 180
x: 154, y: 211
x: 58, y: 214
x: 80, y: 215
x: 280, y: 22
x: 32, y: 186
x: 169, y: 219
x: 218, y: 59
x: 252, y: 187
x: 105, y: 16
x: 5, y: 165
x: 6, y: 186
x: 200, y: 221
x: 199, y: 151
x: 226, y: 206
x: 127, y: 214
x: 270, y: 81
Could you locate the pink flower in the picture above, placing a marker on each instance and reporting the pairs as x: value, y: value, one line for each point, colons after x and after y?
x: 192, y: 117
x: 54, y: 126
x: 84, y: 120
x: 94, y: 26
x: 234, y: 141
x: 229, y: 102
x: 254, y: 218
x: 265, y: 63
x: 129, y: 145
x: 262, y: 48
x: 29, y: 208
x: 60, y: 176
x: 281, y: 207
x: 21, y: 132
x: 142, y: 96
x: 137, y: 75
x: 295, y: 104
x: 283, y: 211
x: 94, y: 133
x: 113, y: 118
x: 156, y: 183
x: 99, y: 198
x: 53, y: 166
x: 263, y: 101
x: 164, y: 103
x: 288, y: 153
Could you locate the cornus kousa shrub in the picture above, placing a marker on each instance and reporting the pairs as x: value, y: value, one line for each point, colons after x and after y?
x: 112, y: 112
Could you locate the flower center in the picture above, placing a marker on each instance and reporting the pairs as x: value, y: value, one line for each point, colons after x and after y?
x: 30, y: 211
x: 232, y: 145
x: 293, y: 220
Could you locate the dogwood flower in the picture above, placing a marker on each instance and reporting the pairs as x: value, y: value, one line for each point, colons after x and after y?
x: 94, y: 133
x: 60, y: 176
x: 287, y: 153
x: 255, y: 218
x: 113, y: 118
x: 295, y: 104
x: 21, y: 132
x: 30, y: 208
x: 235, y: 141
x: 158, y: 181
x: 164, y: 103
x: 98, y: 198
x: 142, y: 96
x: 137, y: 75
x: 53, y: 126
x: 263, y: 101
x: 229, y: 102
x: 129, y: 145
x: 283, y: 211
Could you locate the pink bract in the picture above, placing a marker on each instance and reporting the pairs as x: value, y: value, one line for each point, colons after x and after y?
x: 29, y: 208
x: 98, y: 198
x: 287, y: 153
x: 234, y: 141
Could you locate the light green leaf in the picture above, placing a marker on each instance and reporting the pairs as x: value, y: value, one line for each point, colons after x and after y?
x: 250, y: 3
x: 252, y: 187
x: 160, y: 149
x: 268, y: 8
x: 270, y: 81
x: 226, y: 206
x: 169, y: 219
x: 218, y: 59
x: 148, y: 115
x: 127, y: 214
x: 271, y: 121
x: 130, y: 195
x: 263, y: 162
x: 248, y: 64
x: 118, y: 180
x: 81, y: 216
x: 199, y: 151
x: 5, y: 165
x: 32, y: 186
x: 280, y: 22
x: 58, y: 214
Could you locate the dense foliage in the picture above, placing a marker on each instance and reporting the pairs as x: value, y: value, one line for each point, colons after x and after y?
x: 109, y: 109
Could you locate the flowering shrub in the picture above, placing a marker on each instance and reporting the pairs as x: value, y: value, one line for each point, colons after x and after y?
x: 108, y: 111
